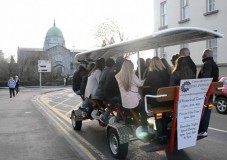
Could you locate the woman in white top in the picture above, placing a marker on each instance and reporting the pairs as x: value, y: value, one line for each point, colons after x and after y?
x: 92, y: 83
x: 129, y: 85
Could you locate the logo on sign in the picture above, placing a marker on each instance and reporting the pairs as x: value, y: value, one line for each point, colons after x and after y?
x: 185, y: 86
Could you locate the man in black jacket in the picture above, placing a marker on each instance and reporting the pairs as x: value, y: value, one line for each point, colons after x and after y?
x: 111, y: 85
x: 77, y: 77
x: 208, y: 70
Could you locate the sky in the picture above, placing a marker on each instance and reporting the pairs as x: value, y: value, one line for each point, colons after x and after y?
x: 24, y: 23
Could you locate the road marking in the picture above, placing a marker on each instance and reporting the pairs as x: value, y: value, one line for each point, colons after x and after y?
x: 61, y: 102
x: 42, y: 99
x: 218, y: 130
x: 69, y: 112
x: 82, y: 148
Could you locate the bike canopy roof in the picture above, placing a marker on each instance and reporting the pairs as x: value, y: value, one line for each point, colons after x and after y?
x: 164, y: 38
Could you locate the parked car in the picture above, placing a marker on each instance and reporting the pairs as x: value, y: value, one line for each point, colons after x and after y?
x: 221, y: 100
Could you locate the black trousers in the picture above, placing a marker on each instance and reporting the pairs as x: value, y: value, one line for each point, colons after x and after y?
x: 141, y: 109
x: 11, y: 92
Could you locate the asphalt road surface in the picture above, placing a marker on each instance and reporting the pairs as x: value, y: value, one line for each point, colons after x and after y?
x: 36, y: 125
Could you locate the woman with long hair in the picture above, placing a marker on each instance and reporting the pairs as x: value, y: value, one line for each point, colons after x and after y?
x: 181, y: 71
x: 167, y: 65
x: 129, y: 85
x: 157, y: 77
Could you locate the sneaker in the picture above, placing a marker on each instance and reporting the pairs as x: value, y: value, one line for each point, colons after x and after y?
x: 203, y: 134
x: 102, y: 119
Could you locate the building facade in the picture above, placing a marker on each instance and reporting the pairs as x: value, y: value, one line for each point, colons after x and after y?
x: 62, y: 59
x: 208, y: 14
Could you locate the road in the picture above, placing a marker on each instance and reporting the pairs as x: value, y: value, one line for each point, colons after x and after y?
x: 36, y: 125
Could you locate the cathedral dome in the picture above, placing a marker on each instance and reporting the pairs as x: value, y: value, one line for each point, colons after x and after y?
x: 54, y: 31
x: 53, y: 38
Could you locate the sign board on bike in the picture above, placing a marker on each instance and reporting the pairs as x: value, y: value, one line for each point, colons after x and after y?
x: 191, y: 100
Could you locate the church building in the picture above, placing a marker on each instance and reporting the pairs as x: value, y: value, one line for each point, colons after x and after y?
x: 62, y: 59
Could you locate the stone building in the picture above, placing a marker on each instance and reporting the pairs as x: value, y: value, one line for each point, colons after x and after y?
x: 62, y: 59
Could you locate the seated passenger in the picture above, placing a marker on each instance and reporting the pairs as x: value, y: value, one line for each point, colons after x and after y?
x: 90, y: 66
x: 101, y: 86
x: 157, y: 77
x: 92, y: 83
x: 182, y: 70
x: 77, y: 76
x: 111, y: 88
x: 129, y: 85
x: 142, y: 67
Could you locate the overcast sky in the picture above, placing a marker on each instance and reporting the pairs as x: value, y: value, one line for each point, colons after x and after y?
x: 24, y: 23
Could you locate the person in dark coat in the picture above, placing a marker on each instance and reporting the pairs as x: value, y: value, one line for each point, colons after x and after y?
x: 17, y: 88
x: 184, y: 52
x: 101, y: 86
x: 181, y: 71
x: 147, y: 63
x: 208, y: 70
x: 77, y: 77
x: 111, y: 85
x: 142, y: 68
x: 157, y: 77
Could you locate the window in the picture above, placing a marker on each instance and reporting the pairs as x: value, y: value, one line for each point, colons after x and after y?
x: 210, y: 5
x: 163, y: 53
x: 212, y: 44
x: 211, y: 8
x: 184, y: 9
x: 163, y: 14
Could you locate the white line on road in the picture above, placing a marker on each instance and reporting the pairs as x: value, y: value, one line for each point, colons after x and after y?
x: 218, y: 130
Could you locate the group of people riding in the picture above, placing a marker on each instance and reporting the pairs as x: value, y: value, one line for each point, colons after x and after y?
x: 117, y: 82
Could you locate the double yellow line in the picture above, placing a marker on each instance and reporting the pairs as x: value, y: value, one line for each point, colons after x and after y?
x: 67, y: 119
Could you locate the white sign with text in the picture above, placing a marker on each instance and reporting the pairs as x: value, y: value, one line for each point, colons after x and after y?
x: 44, y: 66
x: 191, y: 100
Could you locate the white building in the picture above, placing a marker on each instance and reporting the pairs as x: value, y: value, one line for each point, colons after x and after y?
x: 209, y: 14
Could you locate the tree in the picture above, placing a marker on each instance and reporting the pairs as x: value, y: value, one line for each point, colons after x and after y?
x: 13, y: 67
x: 3, y: 68
x: 109, y: 31
x: 1, y: 55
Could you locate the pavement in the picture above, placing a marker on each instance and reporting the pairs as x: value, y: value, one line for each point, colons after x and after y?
x: 25, y: 134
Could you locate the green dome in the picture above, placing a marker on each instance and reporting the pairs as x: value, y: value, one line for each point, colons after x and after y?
x: 54, y: 31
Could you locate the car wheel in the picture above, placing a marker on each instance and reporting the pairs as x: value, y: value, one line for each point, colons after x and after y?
x: 75, y: 123
x: 118, y: 150
x: 221, y: 105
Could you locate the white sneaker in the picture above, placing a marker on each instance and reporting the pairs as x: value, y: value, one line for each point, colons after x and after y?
x: 203, y: 134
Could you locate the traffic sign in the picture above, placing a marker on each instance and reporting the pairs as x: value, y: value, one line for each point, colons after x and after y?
x: 44, y: 66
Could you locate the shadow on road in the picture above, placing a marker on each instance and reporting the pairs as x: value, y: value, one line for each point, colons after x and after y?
x: 177, y: 155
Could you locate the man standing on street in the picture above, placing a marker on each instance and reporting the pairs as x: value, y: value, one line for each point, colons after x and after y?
x: 208, y: 70
x: 11, y: 85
